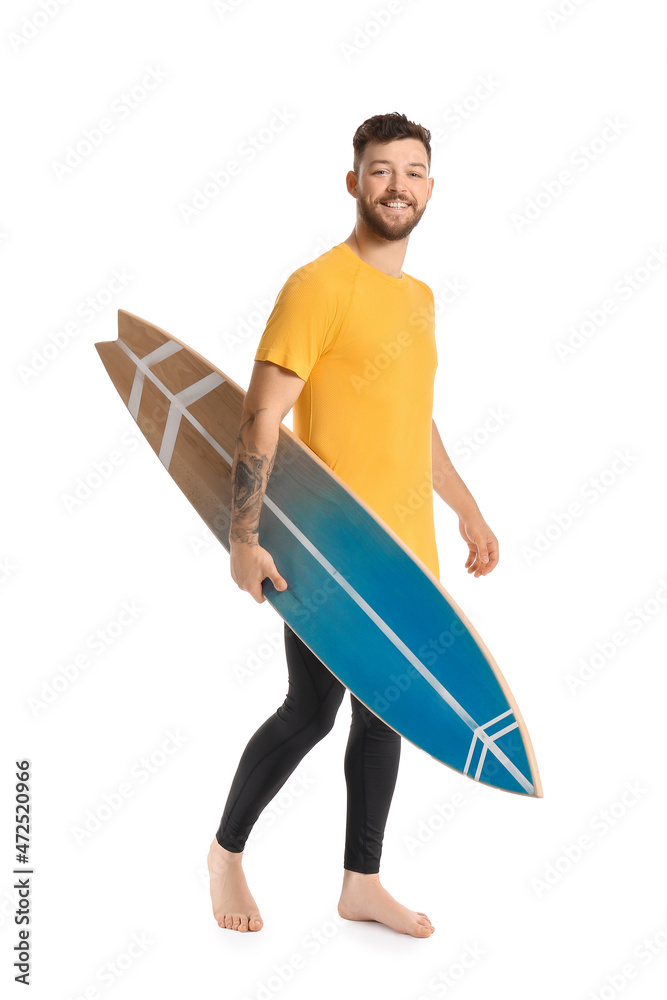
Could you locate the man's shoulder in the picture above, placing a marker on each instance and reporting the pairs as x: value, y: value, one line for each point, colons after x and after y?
x: 422, y: 286
x: 324, y: 273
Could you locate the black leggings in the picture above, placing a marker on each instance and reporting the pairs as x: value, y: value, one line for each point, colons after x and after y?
x: 273, y: 753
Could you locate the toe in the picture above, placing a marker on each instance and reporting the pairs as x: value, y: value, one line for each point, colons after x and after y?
x: 424, y: 924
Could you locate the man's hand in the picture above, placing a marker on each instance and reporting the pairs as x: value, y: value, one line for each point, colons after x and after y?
x: 250, y: 564
x: 482, y: 542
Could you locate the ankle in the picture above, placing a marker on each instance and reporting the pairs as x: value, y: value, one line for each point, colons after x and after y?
x: 352, y: 876
x: 222, y: 854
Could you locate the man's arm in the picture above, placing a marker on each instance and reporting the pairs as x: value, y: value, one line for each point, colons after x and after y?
x: 272, y: 392
x: 481, y: 541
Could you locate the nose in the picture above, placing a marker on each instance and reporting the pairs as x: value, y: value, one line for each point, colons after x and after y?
x: 395, y: 186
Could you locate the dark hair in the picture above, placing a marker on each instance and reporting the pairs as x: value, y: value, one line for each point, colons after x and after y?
x: 385, y: 128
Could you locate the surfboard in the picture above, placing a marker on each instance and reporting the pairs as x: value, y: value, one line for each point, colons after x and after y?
x: 357, y: 595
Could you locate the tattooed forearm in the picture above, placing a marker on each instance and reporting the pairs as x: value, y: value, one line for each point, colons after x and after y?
x: 250, y: 474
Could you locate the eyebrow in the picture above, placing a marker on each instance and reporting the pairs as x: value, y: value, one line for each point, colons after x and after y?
x: 389, y: 163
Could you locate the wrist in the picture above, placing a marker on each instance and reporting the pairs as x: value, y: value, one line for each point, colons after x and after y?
x: 242, y: 539
x: 470, y: 513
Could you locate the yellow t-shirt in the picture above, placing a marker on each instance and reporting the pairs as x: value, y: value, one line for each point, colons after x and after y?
x: 364, y: 342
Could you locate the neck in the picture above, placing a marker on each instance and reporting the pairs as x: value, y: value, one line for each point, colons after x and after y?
x: 385, y: 255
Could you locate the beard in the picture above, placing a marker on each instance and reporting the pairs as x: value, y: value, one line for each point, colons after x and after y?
x: 386, y: 228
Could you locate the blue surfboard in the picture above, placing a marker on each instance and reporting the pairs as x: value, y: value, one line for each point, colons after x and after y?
x: 359, y: 598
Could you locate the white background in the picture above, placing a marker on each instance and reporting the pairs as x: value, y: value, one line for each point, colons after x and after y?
x: 495, y: 878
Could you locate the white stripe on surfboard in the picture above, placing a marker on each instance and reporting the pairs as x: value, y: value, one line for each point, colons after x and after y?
x: 495, y: 736
x: 178, y: 405
x: 178, y: 401
x: 484, y: 748
x: 476, y: 735
x: 159, y: 354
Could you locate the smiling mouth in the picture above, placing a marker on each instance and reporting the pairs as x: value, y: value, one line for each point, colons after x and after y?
x: 396, y: 206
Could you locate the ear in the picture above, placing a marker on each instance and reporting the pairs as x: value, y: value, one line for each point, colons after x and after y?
x: 351, y: 182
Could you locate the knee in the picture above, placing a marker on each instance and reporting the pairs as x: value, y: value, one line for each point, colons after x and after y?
x: 306, y: 725
x: 323, y: 723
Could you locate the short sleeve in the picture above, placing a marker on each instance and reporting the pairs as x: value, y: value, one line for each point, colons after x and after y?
x: 296, y: 332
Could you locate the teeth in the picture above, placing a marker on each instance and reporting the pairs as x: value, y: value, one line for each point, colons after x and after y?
x: 396, y: 204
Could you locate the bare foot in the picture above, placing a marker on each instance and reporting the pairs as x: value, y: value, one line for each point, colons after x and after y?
x: 233, y: 905
x: 363, y: 898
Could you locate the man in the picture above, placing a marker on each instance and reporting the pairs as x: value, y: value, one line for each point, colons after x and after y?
x: 371, y: 423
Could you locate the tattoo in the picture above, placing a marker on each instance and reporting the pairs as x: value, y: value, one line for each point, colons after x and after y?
x: 250, y: 475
